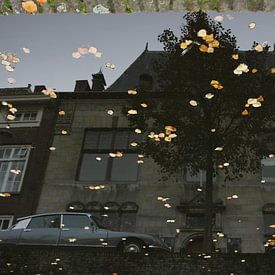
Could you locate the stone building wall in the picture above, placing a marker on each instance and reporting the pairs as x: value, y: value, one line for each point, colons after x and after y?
x: 242, y: 217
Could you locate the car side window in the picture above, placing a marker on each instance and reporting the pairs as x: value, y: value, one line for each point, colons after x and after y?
x: 51, y: 221
x: 21, y: 224
x: 76, y: 221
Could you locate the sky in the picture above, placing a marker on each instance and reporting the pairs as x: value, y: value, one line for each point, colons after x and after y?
x: 121, y: 38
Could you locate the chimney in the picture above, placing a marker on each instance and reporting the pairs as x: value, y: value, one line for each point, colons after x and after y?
x: 98, y: 81
x: 82, y: 86
x: 39, y: 88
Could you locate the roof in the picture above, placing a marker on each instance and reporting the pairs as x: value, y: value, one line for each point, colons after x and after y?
x: 144, y: 64
x: 16, y: 91
x: 56, y: 213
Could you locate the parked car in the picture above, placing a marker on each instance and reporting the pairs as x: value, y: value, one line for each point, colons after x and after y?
x: 75, y: 229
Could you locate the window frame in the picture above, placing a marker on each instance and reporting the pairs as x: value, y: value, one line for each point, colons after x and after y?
x: 267, y: 179
x: 22, y: 123
x: 26, y: 161
x: 108, y: 175
x: 43, y: 216
x: 6, y: 217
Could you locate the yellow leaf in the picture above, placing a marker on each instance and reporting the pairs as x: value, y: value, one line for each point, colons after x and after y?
x: 259, y: 48
x: 209, y: 38
x: 245, y: 112
x: 260, y: 98
x: 41, y: 2
x: 203, y: 48
x: 254, y: 70
x: 29, y: 6
x: 170, y: 128
x: 215, y: 44
x: 235, y: 56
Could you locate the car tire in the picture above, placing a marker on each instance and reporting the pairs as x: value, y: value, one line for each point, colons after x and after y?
x: 132, y: 246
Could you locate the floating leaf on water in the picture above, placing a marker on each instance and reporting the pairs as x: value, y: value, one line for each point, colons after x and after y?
x: 209, y: 95
x: 41, y: 2
x: 202, y: 33
x: 257, y: 104
x: 29, y: 6
x: 245, y: 112
x: 218, y: 18
x: 132, y: 112
x: 252, y: 25
x: 26, y: 50
x: 138, y: 131
x: 76, y: 55
x: 83, y: 51
x: 98, y: 54
x: 235, y: 56
x: 193, y: 103
x: 170, y: 128
x: 11, y: 80
x: 203, y: 48
x: 132, y: 92
x: 61, y: 113
x: 11, y: 117
x: 92, y: 50
x: 144, y: 105
x: 110, y: 112
x: 259, y: 48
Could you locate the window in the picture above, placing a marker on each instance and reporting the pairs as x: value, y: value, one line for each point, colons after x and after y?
x: 97, y: 165
x: 21, y: 224
x: 268, y: 170
x: 197, y: 220
x: 5, y: 222
x: 76, y: 221
x: 51, y: 221
x: 23, y: 118
x: 13, y: 162
x: 269, y: 219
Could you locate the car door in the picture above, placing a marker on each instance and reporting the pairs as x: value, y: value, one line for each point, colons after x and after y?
x: 79, y: 230
x: 41, y: 230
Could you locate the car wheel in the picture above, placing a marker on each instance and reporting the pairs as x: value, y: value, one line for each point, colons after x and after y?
x: 132, y: 247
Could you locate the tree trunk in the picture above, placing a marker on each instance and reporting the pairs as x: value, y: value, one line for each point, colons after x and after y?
x: 207, y: 240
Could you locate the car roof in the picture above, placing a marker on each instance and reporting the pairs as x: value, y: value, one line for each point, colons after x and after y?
x: 56, y: 213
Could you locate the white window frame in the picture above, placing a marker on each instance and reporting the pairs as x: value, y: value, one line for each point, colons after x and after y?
x: 28, y: 147
x: 267, y: 162
x: 21, y: 123
x: 6, y: 217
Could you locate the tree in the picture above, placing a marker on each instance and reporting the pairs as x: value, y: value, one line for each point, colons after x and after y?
x: 213, y: 103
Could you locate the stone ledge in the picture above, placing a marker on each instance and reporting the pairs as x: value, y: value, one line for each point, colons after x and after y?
x: 84, y: 261
x: 131, y: 6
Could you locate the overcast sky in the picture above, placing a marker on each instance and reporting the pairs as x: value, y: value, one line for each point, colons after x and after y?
x: 120, y: 37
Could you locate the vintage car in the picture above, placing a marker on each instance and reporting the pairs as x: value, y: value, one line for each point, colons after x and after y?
x: 75, y: 229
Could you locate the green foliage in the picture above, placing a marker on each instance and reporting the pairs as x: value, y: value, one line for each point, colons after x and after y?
x: 83, y: 7
x: 7, y: 6
x: 185, y: 76
x: 52, y: 4
x: 127, y: 6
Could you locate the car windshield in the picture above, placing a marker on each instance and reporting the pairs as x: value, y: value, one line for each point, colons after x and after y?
x: 98, y: 222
